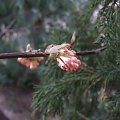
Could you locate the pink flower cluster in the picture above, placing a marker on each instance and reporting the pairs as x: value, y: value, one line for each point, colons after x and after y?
x: 68, y: 61
x: 31, y: 63
x: 65, y: 57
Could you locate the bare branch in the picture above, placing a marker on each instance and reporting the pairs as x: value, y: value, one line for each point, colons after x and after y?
x: 42, y: 54
x: 22, y: 55
x: 93, y: 51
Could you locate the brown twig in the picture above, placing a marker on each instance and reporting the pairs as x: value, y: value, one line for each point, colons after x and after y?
x: 88, y: 52
x: 22, y: 55
x: 42, y: 54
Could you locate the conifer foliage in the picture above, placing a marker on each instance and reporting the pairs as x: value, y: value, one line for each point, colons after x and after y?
x: 93, y: 91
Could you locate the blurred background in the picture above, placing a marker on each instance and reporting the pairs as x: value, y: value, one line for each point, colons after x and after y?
x: 23, y: 22
x: 44, y: 22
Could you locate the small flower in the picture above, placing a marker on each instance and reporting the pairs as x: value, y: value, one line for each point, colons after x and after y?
x: 69, y: 64
x: 34, y: 64
x: 24, y: 61
x: 66, y: 58
x: 31, y: 63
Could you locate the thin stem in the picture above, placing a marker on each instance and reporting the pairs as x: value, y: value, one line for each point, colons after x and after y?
x: 87, y: 89
x: 93, y: 51
x: 42, y: 54
x: 82, y: 116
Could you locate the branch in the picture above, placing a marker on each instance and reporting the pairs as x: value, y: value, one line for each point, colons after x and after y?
x: 22, y: 55
x: 93, y: 51
x: 41, y: 54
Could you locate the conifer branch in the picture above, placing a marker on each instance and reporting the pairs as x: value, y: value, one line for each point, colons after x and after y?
x: 42, y: 54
